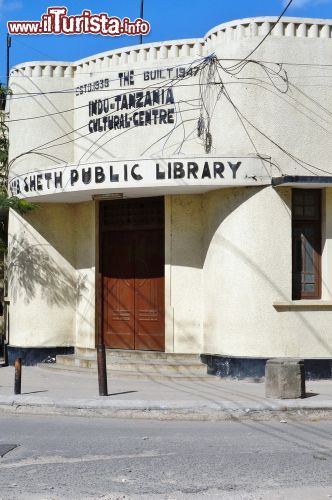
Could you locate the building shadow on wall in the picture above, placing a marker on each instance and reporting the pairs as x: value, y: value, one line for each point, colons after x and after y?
x: 211, y: 218
x: 216, y: 207
x: 32, y: 270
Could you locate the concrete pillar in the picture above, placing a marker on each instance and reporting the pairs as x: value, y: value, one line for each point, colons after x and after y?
x: 284, y: 378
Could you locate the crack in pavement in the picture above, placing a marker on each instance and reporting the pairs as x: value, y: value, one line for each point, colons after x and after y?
x: 58, y: 459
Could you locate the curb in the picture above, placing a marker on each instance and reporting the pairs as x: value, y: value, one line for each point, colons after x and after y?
x: 167, y: 410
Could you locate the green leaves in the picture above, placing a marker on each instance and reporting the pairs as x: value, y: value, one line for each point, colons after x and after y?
x: 7, y: 202
x: 21, y: 206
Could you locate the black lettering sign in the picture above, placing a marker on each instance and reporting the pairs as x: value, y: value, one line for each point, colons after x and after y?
x: 99, y: 175
x: 218, y: 169
x: 39, y: 182
x: 234, y: 167
x: 86, y: 175
x: 133, y: 101
x: 113, y: 177
x: 135, y: 176
x: 48, y: 177
x: 192, y: 169
x: 58, y: 180
x: 206, y: 171
x: 178, y: 170
x: 73, y: 177
x: 159, y: 174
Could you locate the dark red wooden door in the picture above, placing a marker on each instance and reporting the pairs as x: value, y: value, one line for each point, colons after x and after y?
x: 149, y: 290
x: 118, y: 290
x: 132, y: 267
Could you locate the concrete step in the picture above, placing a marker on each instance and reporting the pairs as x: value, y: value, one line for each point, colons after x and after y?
x: 164, y: 368
x: 121, y: 374
x: 137, y: 366
x: 145, y: 365
x: 125, y: 353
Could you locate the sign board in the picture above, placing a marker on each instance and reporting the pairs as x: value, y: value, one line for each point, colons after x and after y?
x: 210, y: 172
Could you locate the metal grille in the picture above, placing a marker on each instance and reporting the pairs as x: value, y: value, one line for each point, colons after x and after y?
x: 124, y: 215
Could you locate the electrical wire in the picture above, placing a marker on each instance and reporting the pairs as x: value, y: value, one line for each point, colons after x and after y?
x: 265, y: 37
x: 83, y: 126
x: 223, y: 59
x: 208, y: 99
x: 127, y: 131
x: 285, y: 63
x: 296, y: 106
x: 244, y: 80
x: 247, y: 132
x: 297, y: 160
x: 284, y: 77
x: 197, y: 69
x: 19, y: 41
x: 36, y: 151
x: 25, y: 95
x: 132, y: 89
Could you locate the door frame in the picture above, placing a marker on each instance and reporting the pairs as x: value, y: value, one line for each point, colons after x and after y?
x: 98, y: 278
x: 99, y: 337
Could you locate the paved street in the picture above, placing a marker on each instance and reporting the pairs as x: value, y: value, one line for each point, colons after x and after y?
x: 91, y: 458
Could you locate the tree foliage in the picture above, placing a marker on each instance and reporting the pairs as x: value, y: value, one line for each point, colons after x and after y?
x: 6, y: 201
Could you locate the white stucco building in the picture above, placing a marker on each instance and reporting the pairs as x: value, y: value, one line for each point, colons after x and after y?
x: 184, y: 199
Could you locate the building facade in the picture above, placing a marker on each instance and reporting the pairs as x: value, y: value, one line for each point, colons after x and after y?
x: 183, y: 197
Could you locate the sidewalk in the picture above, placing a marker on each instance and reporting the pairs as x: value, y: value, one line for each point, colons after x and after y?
x: 46, y: 391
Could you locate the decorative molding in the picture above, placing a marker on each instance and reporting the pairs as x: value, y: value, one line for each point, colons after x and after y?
x: 288, y: 26
x: 224, y: 33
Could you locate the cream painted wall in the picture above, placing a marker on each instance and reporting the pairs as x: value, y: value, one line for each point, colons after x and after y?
x: 42, y: 278
x: 228, y: 260
x: 49, y: 119
x: 84, y: 216
x: 247, y: 269
x: 183, y: 273
x: 51, y: 276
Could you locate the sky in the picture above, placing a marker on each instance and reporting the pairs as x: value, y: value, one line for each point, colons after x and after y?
x: 170, y: 20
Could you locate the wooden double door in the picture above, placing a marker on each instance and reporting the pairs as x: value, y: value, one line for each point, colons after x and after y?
x: 132, y: 268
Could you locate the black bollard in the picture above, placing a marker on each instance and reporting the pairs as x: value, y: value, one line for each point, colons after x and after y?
x: 18, y: 375
x: 102, y: 373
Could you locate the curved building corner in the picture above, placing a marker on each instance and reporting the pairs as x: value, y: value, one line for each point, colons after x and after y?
x: 184, y: 199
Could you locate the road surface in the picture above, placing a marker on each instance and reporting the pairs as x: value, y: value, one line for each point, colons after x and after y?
x: 96, y: 458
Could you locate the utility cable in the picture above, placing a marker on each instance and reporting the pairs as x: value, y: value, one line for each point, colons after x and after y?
x: 25, y: 95
x: 267, y: 35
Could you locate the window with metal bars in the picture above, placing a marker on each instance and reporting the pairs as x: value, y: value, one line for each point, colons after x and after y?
x: 307, y: 243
